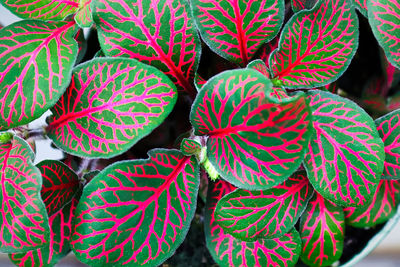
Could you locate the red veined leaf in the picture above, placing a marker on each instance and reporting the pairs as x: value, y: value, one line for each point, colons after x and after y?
x: 110, y: 105
x: 24, y: 221
x: 39, y: 56
x: 298, y: 5
x: 137, y: 212
x: 322, y: 232
x: 58, y: 247
x: 384, y: 19
x: 253, y: 141
x: 391, y: 73
x: 190, y: 147
x: 277, y: 91
x: 259, y: 66
x: 361, y: 5
x: 389, y: 130
x: 235, y: 29
x: 249, y: 215
x: 41, y: 9
x: 316, y: 46
x: 158, y: 32
x: 83, y: 16
x: 60, y: 184
x: 345, y: 158
x: 394, y: 102
x: 199, y: 81
x: 266, y: 49
x: 82, y: 45
x: 230, y: 251
x: 382, y: 207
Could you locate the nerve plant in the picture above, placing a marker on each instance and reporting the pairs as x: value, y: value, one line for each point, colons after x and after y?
x: 284, y: 161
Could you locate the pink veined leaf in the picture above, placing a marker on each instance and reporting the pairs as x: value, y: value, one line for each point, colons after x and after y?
x: 388, y: 127
x: 254, y: 142
x: 60, y: 184
x: 58, y: 247
x: 298, y: 5
x: 391, y: 73
x: 137, y: 212
x: 39, y: 56
x: 316, y: 46
x: 361, y: 5
x: 266, y: 50
x: 190, y: 147
x: 235, y: 29
x: 24, y: 221
x: 250, y: 215
x: 229, y: 251
x: 322, y: 232
x: 345, y: 158
x: 157, y: 32
x: 42, y: 9
x: 384, y: 19
x: 276, y: 91
x: 82, y: 45
x: 382, y: 207
x: 83, y: 16
x: 110, y: 104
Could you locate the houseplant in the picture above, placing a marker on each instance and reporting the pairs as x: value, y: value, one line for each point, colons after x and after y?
x: 263, y: 131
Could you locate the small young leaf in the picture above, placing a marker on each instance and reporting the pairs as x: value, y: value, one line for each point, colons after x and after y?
x: 110, y: 105
x: 38, y: 58
x: 345, y: 158
x: 137, y: 212
x: 253, y: 141
x: 41, y: 9
x: 389, y: 129
x: 83, y: 16
x: 298, y: 5
x: 58, y: 247
x: 198, y: 81
x: 382, y: 207
x: 60, y: 184
x: 322, y: 232
x: 159, y: 33
x: 190, y: 147
x: 316, y: 46
x: 249, y: 215
x: 384, y: 19
x: 230, y: 251
x: 24, y: 221
x: 235, y: 29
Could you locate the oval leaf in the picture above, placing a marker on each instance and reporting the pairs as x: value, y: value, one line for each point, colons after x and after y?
x: 230, y: 251
x: 84, y: 14
x: 322, y: 232
x: 236, y: 29
x: 145, y: 208
x: 232, y: 109
x: 345, y: 158
x: 382, y: 207
x: 41, y: 9
x: 110, y: 105
x: 190, y: 147
x: 389, y: 130
x: 24, y: 221
x: 316, y: 46
x: 58, y: 247
x: 384, y: 19
x: 39, y: 57
x: 248, y: 215
x: 60, y: 184
x: 160, y: 34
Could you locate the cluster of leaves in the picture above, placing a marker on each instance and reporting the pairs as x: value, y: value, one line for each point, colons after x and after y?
x: 283, y: 161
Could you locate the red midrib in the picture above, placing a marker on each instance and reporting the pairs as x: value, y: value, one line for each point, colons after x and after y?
x: 239, y: 25
x: 70, y: 184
